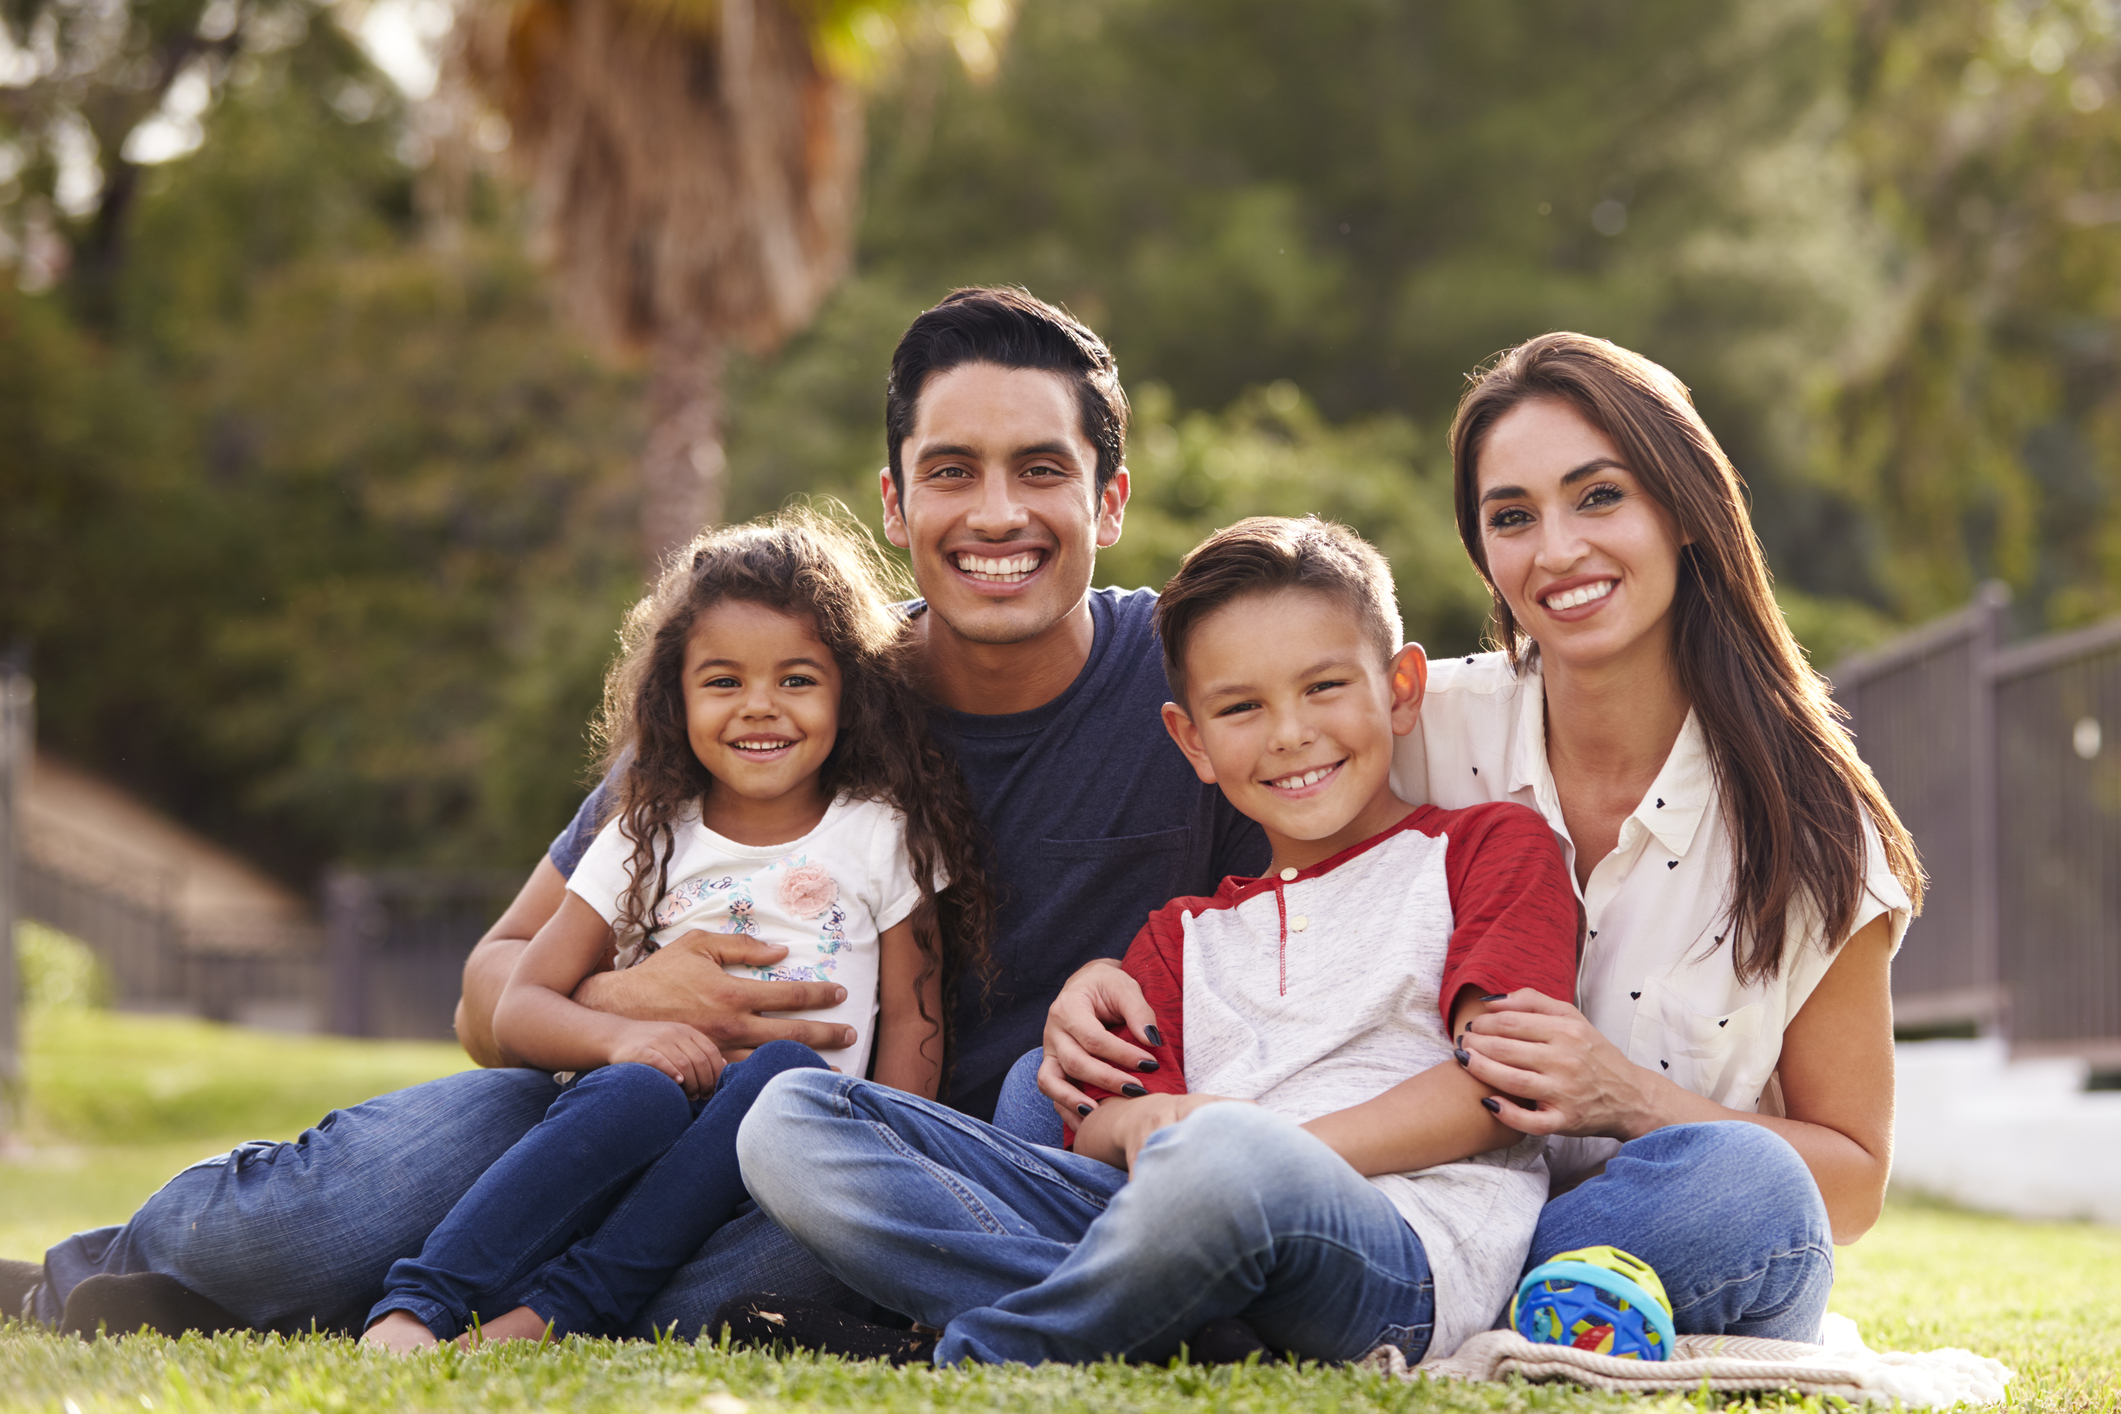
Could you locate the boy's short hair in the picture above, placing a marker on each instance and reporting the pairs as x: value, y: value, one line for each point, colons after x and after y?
x: 1011, y: 328
x: 1266, y: 553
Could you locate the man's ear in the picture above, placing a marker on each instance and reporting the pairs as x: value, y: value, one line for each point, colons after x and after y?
x: 1112, y: 509
x: 1409, y: 673
x: 1187, y: 736
x: 894, y: 514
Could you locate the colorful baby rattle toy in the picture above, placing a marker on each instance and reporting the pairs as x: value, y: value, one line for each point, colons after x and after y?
x: 1599, y: 1299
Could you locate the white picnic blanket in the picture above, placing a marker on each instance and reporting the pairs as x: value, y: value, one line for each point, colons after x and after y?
x: 1842, y: 1366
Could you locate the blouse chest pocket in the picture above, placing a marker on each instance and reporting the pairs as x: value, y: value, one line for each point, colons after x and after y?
x: 1717, y: 1054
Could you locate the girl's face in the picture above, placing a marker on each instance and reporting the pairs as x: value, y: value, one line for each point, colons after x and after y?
x: 1586, y: 560
x: 762, y: 700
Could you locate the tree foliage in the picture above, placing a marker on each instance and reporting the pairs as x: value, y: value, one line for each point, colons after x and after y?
x: 319, y: 519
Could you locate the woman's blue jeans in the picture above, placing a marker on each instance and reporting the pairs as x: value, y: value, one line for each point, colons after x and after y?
x: 1726, y: 1212
x: 586, y: 1217
x: 1030, y: 1254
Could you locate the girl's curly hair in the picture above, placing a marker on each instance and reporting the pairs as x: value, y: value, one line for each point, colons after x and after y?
x: 822, y: 566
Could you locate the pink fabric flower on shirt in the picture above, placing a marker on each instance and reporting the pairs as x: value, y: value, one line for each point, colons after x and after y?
x: 808, y: 890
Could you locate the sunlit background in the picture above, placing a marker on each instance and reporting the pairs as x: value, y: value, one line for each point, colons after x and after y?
x: 355, y: 361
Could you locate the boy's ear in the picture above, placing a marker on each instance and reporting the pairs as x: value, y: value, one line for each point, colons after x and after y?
x: 1410, y: 682
x: 1187, y: 736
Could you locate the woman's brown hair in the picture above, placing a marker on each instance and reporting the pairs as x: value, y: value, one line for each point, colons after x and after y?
x: 1795, y: 794
x: 823, y: 568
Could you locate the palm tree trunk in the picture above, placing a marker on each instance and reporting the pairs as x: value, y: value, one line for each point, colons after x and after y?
x: 682, y: 483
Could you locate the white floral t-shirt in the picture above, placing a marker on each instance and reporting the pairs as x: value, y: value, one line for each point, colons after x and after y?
x: 827, y: 897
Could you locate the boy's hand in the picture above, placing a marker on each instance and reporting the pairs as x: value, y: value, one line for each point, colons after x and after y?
x: 674, y: 1048
x: 1127, y: 1125
x: 1079, y: 1050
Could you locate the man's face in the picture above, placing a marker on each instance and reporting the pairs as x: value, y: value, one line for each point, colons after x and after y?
x: 1001, y: 511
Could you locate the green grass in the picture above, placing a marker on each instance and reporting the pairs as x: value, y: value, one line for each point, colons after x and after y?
x: 2043, y: 1297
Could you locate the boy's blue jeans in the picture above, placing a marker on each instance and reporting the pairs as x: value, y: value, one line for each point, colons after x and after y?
x: 586, y: 1217
x: 1030, y: 1254
x: 1726, y: 1212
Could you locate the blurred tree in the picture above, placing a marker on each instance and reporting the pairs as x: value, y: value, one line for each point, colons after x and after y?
x: 694, y: 168
x: 1980, y: 419
x: 98, y: 91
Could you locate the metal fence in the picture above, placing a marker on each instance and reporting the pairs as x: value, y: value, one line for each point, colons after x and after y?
x: 397, y: 940
x: 2005, y: 763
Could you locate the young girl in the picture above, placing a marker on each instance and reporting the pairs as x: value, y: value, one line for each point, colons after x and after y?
x: 777, y: 778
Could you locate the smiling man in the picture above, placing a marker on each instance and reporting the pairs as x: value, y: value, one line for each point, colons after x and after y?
x: 1006, y: 428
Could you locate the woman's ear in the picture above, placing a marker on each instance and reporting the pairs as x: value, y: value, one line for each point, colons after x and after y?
x: 1187, y: 735
x: 1409, y: 674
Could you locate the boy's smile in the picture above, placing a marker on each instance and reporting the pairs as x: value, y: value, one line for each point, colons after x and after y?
x: 1292, y: 711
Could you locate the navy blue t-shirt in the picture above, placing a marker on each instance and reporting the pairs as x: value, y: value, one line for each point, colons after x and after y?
x: 1096, y: 821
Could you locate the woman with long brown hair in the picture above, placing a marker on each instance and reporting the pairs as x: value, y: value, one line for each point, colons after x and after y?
x: 1720, y: 1091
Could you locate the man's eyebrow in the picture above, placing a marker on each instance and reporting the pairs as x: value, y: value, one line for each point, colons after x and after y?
x: 1569, y: 478
x: 957, y: 449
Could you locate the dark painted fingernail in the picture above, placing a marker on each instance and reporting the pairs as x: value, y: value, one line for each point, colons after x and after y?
x: 1496, y: 997
x: 1156, y: 1037
x: 1132, y: 1091
x: 1083, y: 1110
x: 1465, y: 1057
x: 1148, y: 1065
x: 1487, y: 1102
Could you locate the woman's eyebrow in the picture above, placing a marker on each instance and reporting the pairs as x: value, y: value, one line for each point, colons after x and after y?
x: 1569, y: 478
x: 1591, y: 468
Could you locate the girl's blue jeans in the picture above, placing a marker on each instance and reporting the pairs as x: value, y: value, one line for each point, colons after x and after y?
x: 587, y: 1216
x: 1030, y: 1254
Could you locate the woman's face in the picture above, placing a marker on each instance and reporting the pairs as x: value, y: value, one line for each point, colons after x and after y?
x: 1586, y: 560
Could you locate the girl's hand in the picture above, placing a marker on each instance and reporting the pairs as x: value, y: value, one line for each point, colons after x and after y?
x: 674, y: 1048
x: 1079, y: 1050
x: 1532, y: 1046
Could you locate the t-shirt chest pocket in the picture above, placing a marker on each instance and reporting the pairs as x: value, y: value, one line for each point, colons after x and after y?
x: 1711, y: 1052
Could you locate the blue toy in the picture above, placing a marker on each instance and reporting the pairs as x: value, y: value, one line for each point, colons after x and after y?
x: 1599, y: 1299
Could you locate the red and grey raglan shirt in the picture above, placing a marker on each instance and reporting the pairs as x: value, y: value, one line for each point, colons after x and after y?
x: 1318, y: 989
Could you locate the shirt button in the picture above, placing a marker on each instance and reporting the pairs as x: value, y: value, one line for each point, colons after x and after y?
x: 1288, y: 873
x: 1299, y: 923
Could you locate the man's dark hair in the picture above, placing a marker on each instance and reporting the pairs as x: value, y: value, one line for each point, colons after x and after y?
x: 1010, y: 327
x: 1267, y: 553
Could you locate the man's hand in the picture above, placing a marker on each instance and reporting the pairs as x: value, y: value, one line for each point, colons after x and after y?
x: 674, y: 1048
x: 683, y: 981
x: 1115, y: 1134
x: 1080, y: 1051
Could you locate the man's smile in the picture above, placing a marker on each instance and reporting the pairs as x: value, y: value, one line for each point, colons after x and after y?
x: 1012, y: 569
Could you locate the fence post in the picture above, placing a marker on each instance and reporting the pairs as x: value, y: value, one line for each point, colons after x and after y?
x: 18, y: 696
x: 1990, y: 602
x: 352, y: 922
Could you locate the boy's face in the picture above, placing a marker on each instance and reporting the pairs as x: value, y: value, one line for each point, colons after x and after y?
x: 1292, y: 711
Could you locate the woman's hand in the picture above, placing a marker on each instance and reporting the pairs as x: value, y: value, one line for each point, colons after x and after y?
x: 674, y: 1048
x: 1536, y: 1048
x: 1080, y: 1051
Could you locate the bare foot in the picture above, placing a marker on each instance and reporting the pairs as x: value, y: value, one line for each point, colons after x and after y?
x: 519, y: 1324
x: 400, y: 1334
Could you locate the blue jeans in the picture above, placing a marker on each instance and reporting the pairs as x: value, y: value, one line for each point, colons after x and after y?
x: 589, y: 1214
x: 1030, y: 1254
x: 1726, y: 1212
x: 286, y: 1235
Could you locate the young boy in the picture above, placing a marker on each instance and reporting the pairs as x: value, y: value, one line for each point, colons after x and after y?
x: 1305, y: 1153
